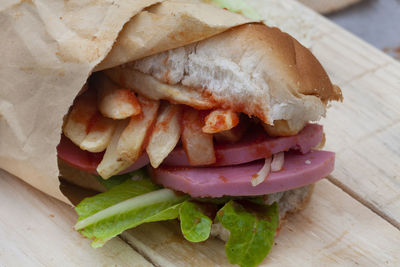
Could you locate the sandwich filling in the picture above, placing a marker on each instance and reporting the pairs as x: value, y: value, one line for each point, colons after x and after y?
x: 216, y: 171
x: 168, y: 142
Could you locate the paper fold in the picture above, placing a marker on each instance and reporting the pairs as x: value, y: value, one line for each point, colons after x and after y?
x: 49, y: 48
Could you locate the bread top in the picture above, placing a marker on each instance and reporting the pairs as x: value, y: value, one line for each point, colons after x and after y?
x: 253, y: 69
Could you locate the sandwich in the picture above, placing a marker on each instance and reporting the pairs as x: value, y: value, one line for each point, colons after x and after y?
x: 220, y: 134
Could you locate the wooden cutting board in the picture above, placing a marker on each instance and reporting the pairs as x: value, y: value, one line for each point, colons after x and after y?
x: 353, y: 217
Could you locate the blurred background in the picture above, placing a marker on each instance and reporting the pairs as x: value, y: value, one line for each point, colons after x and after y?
x: 375, y: 21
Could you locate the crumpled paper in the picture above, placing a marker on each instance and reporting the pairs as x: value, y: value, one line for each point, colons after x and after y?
x: 50, y: 47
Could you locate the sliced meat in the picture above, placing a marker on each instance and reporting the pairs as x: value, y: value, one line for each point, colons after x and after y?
x: 253, y: 146
x: 75, y: 157
x: 298, y: 170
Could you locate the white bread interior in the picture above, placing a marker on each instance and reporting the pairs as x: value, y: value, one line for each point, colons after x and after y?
x: 252, y: 68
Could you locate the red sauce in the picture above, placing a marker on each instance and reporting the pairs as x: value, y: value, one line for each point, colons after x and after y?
x: 220, y: 122
x: 272, y: 145
x: 176, y: 168
x: 98, y: 123
x: 262, y: 150
x: 93, y: 123
x: 81, y: 115
x: 192, y: 119
x: 235, y: 119
x: 163, y: 125
x: 223, y: 178
x: 128, y: 96
x: 147, y: 136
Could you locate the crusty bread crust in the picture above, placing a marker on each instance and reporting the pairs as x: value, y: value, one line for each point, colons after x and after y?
x: 294, y: 200
x: 252, y: 68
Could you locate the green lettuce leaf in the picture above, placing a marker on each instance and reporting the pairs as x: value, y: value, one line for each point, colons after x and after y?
x: 124, y: 191
x: 125, y: 206
x: 195, y: 224
x: 237, y: 6
x: 251, y: 230
x: 131, y: 202
x: 225, y: 199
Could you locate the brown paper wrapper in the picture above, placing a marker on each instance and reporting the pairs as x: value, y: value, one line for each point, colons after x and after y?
x: 48, y: 50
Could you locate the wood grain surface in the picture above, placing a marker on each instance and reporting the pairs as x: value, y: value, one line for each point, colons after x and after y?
x: 334, y: 229
x: 364, y: 130
x: 353, y: 218
x: 36, y: 230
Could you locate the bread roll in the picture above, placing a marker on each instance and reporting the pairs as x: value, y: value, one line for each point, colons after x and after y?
x: 252, y: 68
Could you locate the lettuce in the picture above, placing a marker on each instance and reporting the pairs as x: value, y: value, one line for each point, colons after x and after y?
x: 195, y: 225
x: 129, y: 203
x: 252, y: 231
x: 225, y: 199
x: 124, y: 191
x: 125, y: 206
x: 237, y: 6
